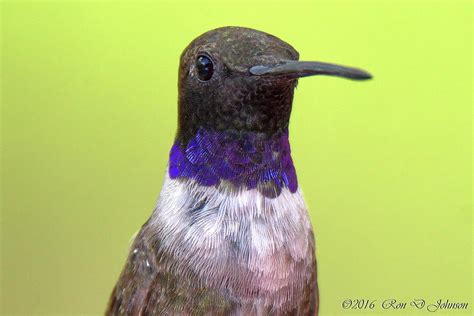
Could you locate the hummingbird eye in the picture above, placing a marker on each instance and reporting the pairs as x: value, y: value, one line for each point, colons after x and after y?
x: 204, y: 67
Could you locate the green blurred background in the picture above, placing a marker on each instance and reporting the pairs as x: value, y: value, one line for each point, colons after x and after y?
x: 89, y: 114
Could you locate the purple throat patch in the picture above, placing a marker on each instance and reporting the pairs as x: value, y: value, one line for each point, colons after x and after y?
x: 244, y: 160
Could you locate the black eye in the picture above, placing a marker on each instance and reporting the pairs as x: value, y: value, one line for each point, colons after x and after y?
x: 205, y: 67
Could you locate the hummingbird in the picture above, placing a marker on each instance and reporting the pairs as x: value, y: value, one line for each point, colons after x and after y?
x: 230, y: 233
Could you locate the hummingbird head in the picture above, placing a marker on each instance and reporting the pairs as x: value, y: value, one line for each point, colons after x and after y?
x: 242, y: 80
x: 235, y: 95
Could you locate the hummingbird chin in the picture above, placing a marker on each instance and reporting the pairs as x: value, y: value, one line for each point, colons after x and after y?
x: 230, y: 234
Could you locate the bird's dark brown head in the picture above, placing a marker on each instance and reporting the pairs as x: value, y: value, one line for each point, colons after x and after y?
x: 217, y: 90
x: 242, y: 80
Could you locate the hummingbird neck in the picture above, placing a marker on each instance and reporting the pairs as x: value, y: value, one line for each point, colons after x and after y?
x: 249, y: 160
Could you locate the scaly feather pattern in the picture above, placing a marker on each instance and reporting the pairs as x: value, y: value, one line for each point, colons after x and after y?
x: 243, y: 159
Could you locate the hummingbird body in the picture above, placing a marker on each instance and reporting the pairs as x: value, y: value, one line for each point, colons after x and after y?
x: 219, y: 252
x: 230, y: 234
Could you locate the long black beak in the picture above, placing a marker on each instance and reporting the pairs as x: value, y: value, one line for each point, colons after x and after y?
x: 297, y: 69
